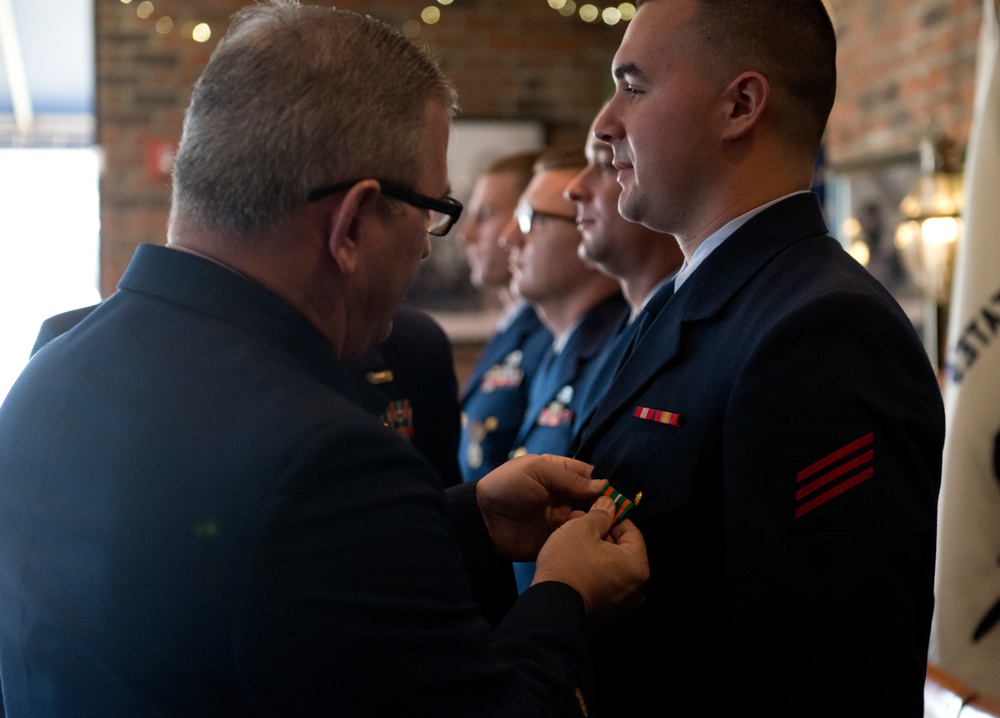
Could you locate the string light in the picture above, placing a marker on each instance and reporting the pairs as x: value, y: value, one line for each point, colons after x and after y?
x: 201, y: 32
x: 164, y: 24
x: 610, y: 14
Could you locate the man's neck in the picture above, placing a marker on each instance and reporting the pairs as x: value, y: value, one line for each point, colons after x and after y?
x: 562, y: 314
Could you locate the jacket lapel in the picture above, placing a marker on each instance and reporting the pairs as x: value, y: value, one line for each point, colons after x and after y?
x: 709, y: 288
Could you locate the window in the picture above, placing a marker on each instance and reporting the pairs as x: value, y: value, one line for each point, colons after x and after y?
x: 49, y: 227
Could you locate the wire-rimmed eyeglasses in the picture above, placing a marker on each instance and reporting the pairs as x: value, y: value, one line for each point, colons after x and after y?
x: 525, y: 215
x: 441, y: 213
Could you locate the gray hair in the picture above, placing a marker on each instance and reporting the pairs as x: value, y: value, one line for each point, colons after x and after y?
x: 295, y: 97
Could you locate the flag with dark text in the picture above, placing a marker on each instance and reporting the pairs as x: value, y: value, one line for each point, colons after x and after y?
x: 966, y: 634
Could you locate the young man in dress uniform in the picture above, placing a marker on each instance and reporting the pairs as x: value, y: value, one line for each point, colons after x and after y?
x: 778, y: 423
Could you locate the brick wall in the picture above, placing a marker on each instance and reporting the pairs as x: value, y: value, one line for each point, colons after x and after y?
x: 906, y: 67
x: 509, y: 59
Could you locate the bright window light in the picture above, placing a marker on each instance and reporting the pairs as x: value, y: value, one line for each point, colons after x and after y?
x: 49, y: 228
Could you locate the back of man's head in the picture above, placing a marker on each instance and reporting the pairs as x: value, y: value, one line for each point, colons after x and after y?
x: 295, y: 97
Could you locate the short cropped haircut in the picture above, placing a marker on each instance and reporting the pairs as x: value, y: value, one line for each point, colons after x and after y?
x: 791, y: 42
x: 295, y: 97
x: 521, y: 164
x: 561, y: 157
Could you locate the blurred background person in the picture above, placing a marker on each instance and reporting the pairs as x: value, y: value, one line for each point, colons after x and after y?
x: 495, y: 395
x: 491, y: 205
x: 577, y: 302
x: 643, y: 260
x: 409, y: 382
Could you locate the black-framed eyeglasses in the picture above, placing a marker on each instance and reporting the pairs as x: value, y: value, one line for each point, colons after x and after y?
x: 441, y: 213
x: 525, y: 215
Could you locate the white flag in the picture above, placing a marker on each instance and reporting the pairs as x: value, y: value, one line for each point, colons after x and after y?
x: 966, y: 634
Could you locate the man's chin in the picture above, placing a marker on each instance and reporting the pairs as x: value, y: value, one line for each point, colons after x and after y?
x: 585, y: 252
x: 628, y: 206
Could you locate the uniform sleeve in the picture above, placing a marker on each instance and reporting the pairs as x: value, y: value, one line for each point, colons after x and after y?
x: 490, y: 574
x: 833, y: 438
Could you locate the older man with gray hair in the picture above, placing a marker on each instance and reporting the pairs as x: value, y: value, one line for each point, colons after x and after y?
x: 197, y: 516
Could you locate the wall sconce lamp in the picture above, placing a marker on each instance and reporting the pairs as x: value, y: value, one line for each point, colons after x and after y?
x: 928, y: 234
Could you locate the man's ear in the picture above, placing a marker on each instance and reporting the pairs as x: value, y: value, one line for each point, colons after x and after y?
x: 349, y: 221
x: 746, y: 96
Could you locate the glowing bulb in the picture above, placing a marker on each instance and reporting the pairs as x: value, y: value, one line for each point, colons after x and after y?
x: 588, y: 12
x: 201, y: 32
x: 851, y: 227
x: 430, y: 14
x: 860, y: 251
x: 939, y: 230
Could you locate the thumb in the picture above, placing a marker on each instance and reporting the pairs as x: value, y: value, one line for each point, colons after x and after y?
x: 602, y: 515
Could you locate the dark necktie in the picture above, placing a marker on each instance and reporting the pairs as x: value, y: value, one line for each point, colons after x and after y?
x: 540, y: 390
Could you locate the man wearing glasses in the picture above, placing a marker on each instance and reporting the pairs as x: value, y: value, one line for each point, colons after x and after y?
x: 197, y: 515
x: 578, y: 303
x: 496, y: 392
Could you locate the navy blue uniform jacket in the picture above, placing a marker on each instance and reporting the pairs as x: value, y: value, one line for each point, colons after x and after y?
x: 495, y: 395
x: 198, y: 519
x: 784, y: 427
x: 409, y: 382
x: 547, y: 427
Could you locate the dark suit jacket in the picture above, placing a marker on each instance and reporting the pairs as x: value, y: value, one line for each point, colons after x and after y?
x: 408, y: 381
x: 59, y: 324
x: 782, y: 423
x: 197, y: 518
x: 416, y: 388
x: 496, y: 393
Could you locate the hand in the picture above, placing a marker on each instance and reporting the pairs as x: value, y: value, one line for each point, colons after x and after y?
x: 527, y: 498
x: 606, y: 564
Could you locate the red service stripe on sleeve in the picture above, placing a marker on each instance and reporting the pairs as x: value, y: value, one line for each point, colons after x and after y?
x: 835, y: 491
x: 838, y: 454
x: 829, y: 476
